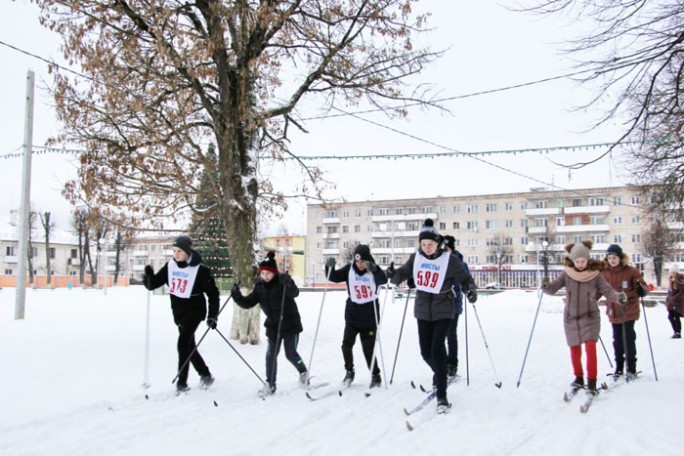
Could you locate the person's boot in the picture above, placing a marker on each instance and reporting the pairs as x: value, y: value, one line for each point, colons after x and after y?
x: 348, y: 378
x: 206, y: 381
x: 376, y: 381
x: 591, y: 387
x: 304, y: 380
x: 577, y: 383
x: 443, y: 405
x: 451, y: 370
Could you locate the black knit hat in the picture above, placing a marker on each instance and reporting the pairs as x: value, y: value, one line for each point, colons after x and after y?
x: 429, y: 232
x: 184, y: 243
x: 269, y: 263
x: 450, y: 242
x: 615, y: 249
x: 362, y: 252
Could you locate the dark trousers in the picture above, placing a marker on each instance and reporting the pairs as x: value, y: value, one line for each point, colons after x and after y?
x: 622, y: 352
x: 675, y: 321
x: 186, y: 345
x: 452, y: 343
x: 367, y: 337
x: 290, y: 343
x: 431, y: 335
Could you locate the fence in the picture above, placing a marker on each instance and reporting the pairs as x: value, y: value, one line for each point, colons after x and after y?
x: 63, y: 281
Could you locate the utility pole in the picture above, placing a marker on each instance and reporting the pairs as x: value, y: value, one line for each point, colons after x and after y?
x: 25, y: 201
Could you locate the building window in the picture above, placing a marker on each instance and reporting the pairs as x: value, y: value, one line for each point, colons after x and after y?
x: 560, y: 240
x: 383, y: 211
x: 599, y: 201
x: 509, y: 223
x: 456, y: 225
x: 357, y: 213
x: 319, y: 229
x: 442, y: 209
x: 541, y: 222
x: 597, y: 220
x: 472, y: 259
x: 34, y: 252
x: 490, y: 224
x: 540, y: 204
x: 617, y: 239
x: 331, y: 214
x: 357, y: 228
x: 523, y: 205
x: 576, y: 202
x: 524, y: 240
x: 472, y: 242
x: 598, y: 238
x: 9, y: 250
x: 426, y: 209
x: 398, y: 210
x: 490, y: 207
x: 636, y: 238
x: 442, y: 225
x: 636, y: 219
x: 617, y: 220
x: 472, y: 225
x: 523, y: 223
x: 577, y: 220
x: 52, y: 253
x: 471, y: 208
x: 8, y: 272
x: 74, y: 253
x: 636, y: 200
x: 456, y: 208
x: 508, y: 206
x: 345, y: 229
x: 617, y: 200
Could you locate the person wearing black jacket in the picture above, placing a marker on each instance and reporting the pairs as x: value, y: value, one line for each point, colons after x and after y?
x: 275, y: 292
x: 188, y: 281
x: 362, y: 310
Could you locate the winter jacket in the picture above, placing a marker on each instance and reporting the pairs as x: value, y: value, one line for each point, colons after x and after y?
x: 617, y: 277
x: 194, y: 308
x: 430, y: 306
x: 675, y: 294
x: 360, y: 316
x: 270, y: 296
x: 581, y: 318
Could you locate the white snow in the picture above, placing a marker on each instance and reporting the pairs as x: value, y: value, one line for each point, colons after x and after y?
x: 72, y: 375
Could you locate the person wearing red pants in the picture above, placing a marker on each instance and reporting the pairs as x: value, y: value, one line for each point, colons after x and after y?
x: 582, y: 280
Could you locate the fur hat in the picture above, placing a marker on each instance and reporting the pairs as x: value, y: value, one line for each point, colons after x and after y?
x: 269, y: 263
x: 615, y: 249
x: 429, y: 232
x: 674, y: 267
x: 362, y: 252
x: 184, y: 243
x: 580, y: 250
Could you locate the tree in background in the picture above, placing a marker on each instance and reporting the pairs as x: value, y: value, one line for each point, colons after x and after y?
x: 167, y: 77
x: 658, y: 242
x: 47, y: 229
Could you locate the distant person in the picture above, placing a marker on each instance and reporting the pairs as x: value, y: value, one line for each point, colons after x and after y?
x: 582, y: 278
x: 675, y: 300
x: 362, y: 309
x: 275, y: 293
x: 435, y: 272
x: 623, y: 277
x: 452, y: 336
x: 188, y: 281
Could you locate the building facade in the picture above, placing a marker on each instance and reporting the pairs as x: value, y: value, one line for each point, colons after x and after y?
x: 510, y: 238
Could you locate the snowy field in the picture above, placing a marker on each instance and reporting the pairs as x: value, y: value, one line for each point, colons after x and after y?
x: 73, y: 373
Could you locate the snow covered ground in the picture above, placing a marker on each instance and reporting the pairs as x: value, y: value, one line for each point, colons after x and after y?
x: 72, y: 375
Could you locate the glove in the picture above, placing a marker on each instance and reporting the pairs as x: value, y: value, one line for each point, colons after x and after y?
x: 330, y: 263
x: 410, y: 283
x: 235, y: 291
x: 212, y: 322
x: 640, y: 290
x: 372, y: 267
x: 284, y: 279
x: 471, y: 294
x: 149, y: 272
x: 622, y: 298
x: 546, y: 281
x: 389, y: 272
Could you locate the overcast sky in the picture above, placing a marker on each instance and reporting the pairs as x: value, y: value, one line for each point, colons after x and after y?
x: 487, y: 47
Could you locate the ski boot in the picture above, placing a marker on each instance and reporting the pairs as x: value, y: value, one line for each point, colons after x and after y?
x: 182, y: 388
x: 578, y: 383
x: 443, y: 405
x: 376, y: 381
x: 304, y: 380
x: 348, y: 378
x: 206, y: 381
x: 591, y: 388
x: 267, y: 390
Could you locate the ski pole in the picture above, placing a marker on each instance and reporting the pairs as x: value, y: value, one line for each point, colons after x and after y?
x: 623, y: 327
x: 198, y: 343
x: 401, y: 330
x: 276, y: 347
x: 240, y: 356
x: 146, y: 373
x: 484, y: 339
x: 529, y: 342
x: 465, y: 316
x: 648, y: 334
x: 606, y: 352
x: 377, y: 337
x: 318, y: 324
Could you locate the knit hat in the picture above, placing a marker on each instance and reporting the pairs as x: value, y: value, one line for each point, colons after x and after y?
x: 580, y: 250
x: 450, y: 242
x: 615, y: 249
x: 184, y: 243
x: 674, y: 268
x: 362, y: 252
x: 429, y: 232
x: 269, y: 263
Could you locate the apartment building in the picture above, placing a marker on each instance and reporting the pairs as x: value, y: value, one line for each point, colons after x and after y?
x: 289, y: 254
x: 518, y: 233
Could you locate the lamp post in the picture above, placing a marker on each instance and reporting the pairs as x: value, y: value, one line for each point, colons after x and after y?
x: 545, y: 259
x: 498, y: 264
x: 535, y: 246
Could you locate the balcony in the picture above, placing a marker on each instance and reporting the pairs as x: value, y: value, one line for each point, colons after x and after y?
x: 538, y: 229
x: 331, y: 235
x: 389, y: 251
x: 587, y: 210
x: 331, y: 251
x: 330, y: 220
x: 11, y: 259
x: 404, y: 217
x: 542, y: 211
x: 582, y: 228
x: 139, y: 253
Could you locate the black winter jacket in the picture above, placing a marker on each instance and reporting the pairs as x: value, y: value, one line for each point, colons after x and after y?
x: 193, y: 308
x: 270, y: 296
x: 360, y: 316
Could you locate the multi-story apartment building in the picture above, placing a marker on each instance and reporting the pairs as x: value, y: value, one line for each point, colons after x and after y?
x: 519, y: 233
x: 289, y: 254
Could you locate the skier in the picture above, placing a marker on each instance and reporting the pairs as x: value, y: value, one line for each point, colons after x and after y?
x: 582, y: 278
x: 623, y: 277
x: 188, y: 280
x: 675, y: 300
x: 275, y: 292
x: 435, y: 272
x: 362, y: 309
x: 452, y: 338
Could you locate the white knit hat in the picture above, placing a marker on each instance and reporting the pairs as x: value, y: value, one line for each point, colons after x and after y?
x: 674, y: 267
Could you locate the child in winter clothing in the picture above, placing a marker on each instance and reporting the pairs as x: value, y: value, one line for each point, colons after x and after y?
x: 362, y: 310
x: 675, y: 300
x: 582, y: 278
x: 188, y: 281
x: 452, y: 338
x: 435, y: 272
x: 275, y: 292
x: 623, y: 277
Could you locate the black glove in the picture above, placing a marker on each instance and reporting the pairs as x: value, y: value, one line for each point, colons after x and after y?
x: 546, y: 281
x: 212, y: 322
x: 471, y: 294
x: 147, y: 276
x: 330, y: 263
x: 410, y: 283
x: 389, y: 272
x: 235, y: 291
x: 372, y: 267
x: 641, y: 292
x: 622, y: 298
x: 149, y: 272
x: 284, y: 279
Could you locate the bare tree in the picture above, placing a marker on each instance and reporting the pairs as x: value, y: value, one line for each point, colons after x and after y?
x: 31, y: 223
x: 47, y: 229
x: 122, y: 242
x: 632, y: 49
x: 658, y: 242
x: 170, y: 76
x: 501, y: 248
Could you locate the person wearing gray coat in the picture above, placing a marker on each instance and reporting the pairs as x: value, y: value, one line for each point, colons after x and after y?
x: 582, y: 280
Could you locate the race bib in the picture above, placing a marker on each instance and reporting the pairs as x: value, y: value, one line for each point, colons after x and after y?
x: 362, y: 288
x: 429, y: 274
x: 181, y: 280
